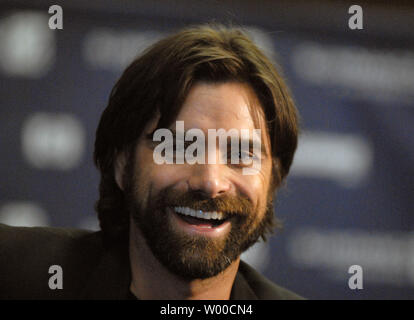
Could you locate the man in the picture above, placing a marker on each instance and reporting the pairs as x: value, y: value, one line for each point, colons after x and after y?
x: 172, y: 227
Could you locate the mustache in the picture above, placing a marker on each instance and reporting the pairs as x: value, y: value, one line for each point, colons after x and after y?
x: 230, y: 205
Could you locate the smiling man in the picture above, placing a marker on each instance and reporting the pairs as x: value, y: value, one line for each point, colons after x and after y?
x: 176, y: 229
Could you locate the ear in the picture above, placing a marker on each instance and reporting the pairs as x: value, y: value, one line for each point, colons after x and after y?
x: 119, y: 169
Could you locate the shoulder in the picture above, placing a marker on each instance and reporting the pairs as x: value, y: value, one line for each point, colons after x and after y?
x: 263, y: 288
x: 44, y: 241
x: 10, y: 233
x: 30, y: 252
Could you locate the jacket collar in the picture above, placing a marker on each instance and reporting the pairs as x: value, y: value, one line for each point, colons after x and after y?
x: 111, y: 278
x: 241, y: 289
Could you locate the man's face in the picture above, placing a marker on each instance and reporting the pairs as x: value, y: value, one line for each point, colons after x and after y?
x: 161, y: 197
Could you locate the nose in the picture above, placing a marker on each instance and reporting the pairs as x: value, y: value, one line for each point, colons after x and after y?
x: 209, y: 180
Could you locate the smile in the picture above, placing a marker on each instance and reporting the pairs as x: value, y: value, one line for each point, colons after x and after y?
x: 200, y: 213
x: 207, y: 223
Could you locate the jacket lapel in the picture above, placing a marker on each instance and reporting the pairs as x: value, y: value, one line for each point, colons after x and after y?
x: 111, y: 278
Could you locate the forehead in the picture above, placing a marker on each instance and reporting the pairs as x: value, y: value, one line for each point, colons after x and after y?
x: 221, y: 105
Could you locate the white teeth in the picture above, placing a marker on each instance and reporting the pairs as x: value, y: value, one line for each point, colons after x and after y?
x: 199, y: 213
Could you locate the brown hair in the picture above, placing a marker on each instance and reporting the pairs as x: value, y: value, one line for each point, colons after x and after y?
x: 159, y: 80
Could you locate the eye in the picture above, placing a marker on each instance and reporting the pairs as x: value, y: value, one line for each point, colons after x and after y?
x: 243, y: 158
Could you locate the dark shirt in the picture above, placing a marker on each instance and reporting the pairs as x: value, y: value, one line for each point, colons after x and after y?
x: 91, y: 269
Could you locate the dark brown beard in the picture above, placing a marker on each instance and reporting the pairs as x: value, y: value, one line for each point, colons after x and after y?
x: 192, y: 257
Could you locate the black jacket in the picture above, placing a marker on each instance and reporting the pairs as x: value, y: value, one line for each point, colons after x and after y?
x: 90, y: 269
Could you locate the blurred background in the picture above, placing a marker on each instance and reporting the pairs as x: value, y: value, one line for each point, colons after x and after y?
x: 349, y: 198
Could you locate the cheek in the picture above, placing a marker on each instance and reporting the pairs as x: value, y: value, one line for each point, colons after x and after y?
x: 154, y: 177
x: 165, y: 175
x: 255, y: 188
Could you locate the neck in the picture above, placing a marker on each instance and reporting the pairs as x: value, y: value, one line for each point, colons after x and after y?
x: 151, y: 280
